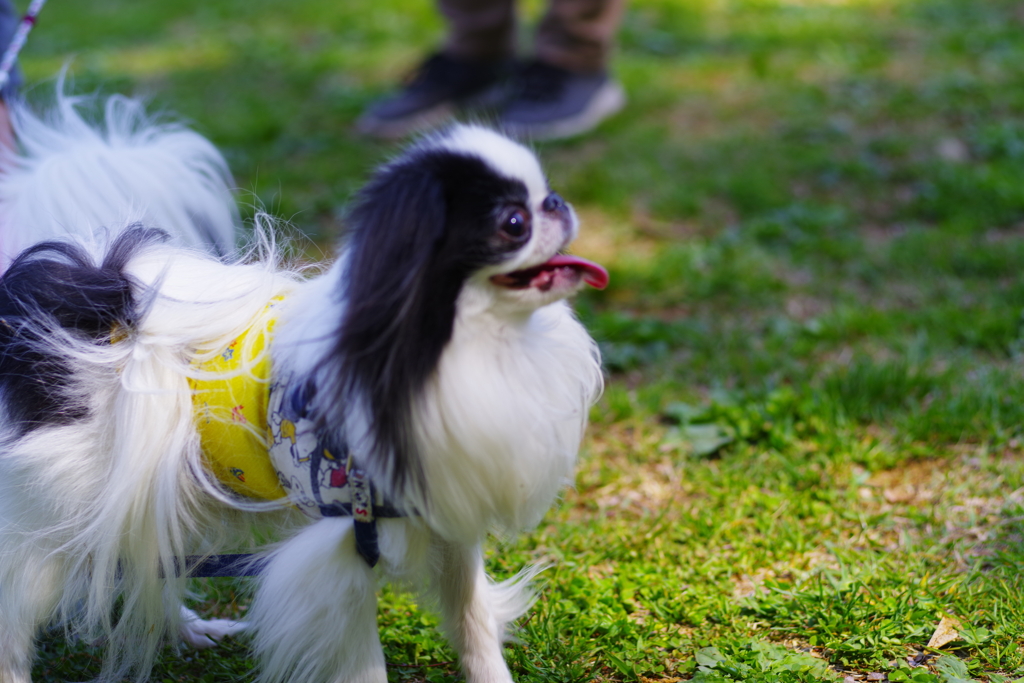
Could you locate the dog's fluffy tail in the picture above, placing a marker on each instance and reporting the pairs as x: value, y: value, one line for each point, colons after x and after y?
x: 72, y: 178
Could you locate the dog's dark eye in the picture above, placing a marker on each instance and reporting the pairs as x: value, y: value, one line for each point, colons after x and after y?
x: 516, y: 226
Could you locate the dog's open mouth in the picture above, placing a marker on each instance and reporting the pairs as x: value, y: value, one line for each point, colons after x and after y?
x: 560, y: 269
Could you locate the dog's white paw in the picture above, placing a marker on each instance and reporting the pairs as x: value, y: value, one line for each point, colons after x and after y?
x: 205, y: 633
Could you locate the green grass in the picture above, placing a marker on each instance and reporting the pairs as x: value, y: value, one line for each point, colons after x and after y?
x: 810, y: 447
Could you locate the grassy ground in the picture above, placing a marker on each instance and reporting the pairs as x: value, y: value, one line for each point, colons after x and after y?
x: 810, y: 448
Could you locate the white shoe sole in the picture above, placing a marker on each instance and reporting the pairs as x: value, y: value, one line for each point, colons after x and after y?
x: 608, y: 100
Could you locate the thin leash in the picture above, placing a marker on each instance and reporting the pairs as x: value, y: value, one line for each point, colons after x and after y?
x: 234, y: 565
x: 18, y: 41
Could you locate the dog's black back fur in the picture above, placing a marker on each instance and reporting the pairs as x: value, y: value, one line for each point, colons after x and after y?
x: 420, y: 228
x: 50, y: 286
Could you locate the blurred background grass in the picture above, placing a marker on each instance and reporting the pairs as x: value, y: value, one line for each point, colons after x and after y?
x: 809, y: 448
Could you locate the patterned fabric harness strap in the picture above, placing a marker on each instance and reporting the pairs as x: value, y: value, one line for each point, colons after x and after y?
x: 364, y: 506
x: 259, y: 441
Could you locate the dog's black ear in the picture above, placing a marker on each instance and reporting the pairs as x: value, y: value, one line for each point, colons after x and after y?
x: 400, y: 306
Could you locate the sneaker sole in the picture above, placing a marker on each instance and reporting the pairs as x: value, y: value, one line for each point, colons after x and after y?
x: 609, y: 100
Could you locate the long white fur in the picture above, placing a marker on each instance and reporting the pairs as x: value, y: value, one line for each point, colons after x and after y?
x: 75, y: 179
x: 71, y: 178
x: 316, y: 608
x: 111, y: 501
x: 98, y: 510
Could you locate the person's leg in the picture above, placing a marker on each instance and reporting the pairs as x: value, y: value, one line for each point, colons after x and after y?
x: 578, y: 35
x: 483, y: 30
x: 567, y: 90
x: 9, y: 19
x: 6, y: 131
x: 475, y: 58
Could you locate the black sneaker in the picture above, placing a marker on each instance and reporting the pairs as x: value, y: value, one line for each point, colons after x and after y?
x: 432, y: 94
x: 549, y: 102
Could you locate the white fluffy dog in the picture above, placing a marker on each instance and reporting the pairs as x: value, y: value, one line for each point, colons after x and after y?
x: 157, y: 404
x: 71, y: 179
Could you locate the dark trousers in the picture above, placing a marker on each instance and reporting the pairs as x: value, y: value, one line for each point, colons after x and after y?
x: 574, y: 34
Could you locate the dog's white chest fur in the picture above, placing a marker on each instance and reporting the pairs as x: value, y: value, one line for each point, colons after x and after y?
x: 500, y: 422
x: 497, y: 425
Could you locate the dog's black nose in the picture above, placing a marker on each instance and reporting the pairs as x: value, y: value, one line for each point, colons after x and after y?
x: 553, y: 203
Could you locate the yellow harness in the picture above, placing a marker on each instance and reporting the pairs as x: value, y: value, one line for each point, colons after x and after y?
x: 231, y: 411
x: 257, y: 444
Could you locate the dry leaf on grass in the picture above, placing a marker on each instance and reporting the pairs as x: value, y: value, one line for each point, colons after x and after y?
x: 945, y: 633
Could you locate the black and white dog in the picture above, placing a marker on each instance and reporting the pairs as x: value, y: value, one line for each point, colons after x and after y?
x: 431, y: 386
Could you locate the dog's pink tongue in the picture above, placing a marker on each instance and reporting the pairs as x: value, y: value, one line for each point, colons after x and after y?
x: 593, y: 274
